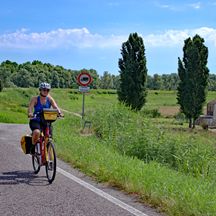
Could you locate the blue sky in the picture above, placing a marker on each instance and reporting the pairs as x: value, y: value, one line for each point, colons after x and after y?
x: 79, y: 34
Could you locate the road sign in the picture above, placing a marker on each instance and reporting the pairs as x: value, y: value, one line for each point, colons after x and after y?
x: 84, y: 79
x: 84, y: 88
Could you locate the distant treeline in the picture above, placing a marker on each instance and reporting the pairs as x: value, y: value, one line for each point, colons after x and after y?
x: 30, y: 74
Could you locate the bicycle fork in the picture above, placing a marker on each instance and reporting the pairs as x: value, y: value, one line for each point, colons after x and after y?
x: 42, y: 150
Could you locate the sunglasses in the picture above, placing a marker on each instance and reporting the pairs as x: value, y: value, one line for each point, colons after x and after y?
x: 45, y: 90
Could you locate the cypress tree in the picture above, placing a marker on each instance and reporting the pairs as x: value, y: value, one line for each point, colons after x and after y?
x: 1, y: 85
x: 193, y: 74
x: 133, y: 73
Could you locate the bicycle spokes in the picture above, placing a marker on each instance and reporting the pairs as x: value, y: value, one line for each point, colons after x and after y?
x: 51, y: 163
x: 36, y: 163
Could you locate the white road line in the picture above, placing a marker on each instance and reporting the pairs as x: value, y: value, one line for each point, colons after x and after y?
x: 101, y: 193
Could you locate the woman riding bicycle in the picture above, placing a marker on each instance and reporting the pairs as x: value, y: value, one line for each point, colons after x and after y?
x: 43, y: 100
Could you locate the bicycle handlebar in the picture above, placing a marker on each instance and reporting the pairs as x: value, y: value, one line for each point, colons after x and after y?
x: 60, y: 116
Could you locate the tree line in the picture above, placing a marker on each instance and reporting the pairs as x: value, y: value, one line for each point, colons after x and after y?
x: 30, y: 74
x: 191, y: 82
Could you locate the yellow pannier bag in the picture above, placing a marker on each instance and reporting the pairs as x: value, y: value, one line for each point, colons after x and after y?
x: 26, y: 143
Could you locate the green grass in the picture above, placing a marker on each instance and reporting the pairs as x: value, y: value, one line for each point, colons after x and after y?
x: 134, y: 135
x: 9, y: 116
x: 14, y: 103
x: 157, y: 99
x: 167, y: 165
x: 71, y: 100
x: 173, y: 192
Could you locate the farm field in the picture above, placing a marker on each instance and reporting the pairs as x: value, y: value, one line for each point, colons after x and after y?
x: 151, y: 153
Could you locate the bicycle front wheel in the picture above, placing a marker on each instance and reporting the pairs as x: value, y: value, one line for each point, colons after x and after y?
x: 51, y: 162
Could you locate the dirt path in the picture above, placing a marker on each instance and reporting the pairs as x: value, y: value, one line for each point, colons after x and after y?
x: 73, y: 113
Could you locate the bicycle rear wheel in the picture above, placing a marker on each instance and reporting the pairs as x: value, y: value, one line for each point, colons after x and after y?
x: 51, y: 162
x: 36, y: 159
x: 36, y: 164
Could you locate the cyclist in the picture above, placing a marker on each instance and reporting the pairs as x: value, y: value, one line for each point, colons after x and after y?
x: 43, y: 100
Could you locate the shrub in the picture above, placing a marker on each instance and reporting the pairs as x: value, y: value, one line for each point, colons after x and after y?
x: 131, y: 134
x: 204, y: 125
x: 73, y: 97
x: 154, y: 113
x: 180, y: 117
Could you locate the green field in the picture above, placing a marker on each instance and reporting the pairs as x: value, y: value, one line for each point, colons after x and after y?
x: 167, y: 165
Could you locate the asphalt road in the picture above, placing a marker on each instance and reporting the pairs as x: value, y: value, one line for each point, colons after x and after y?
x: 72, y: 193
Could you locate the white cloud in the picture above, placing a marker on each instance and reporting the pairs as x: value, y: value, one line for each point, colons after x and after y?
x: 179, y: 7
x: 209, y: 35
x: 83, y: 38
x: 168, y: 6
x: 196, y: 5
x: 60, y: 38
x: 113, y: 4
x: 173, y: 38
x: 168, y: 38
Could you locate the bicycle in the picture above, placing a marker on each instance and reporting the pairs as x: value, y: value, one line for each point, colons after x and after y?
x: 44, y: 153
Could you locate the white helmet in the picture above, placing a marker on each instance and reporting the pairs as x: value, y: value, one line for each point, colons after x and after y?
x: 44, y: 85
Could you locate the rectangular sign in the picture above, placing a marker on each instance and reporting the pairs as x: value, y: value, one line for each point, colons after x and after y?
x: 84, y: 88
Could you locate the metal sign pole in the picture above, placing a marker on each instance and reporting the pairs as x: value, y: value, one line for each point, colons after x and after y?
x: 83, y: 104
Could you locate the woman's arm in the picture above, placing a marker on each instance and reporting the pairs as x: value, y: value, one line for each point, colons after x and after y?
x: 54, y: 104
x: 31, y: 106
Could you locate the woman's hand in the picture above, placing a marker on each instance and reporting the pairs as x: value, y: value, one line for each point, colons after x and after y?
x: 30, y: 115
x: 60, y: 114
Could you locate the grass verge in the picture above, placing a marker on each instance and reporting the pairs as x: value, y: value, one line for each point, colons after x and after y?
x: 170, y: 191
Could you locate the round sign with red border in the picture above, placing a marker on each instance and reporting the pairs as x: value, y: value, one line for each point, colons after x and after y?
x: 84, y: 79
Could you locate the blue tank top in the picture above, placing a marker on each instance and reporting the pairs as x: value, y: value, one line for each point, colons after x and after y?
x: 38, y: 108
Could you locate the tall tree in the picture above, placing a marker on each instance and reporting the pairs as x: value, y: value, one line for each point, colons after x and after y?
x: 193, y: 74
x: 95, y: 78
x: 22, y: 78
x: 55, y: 79
x: 106, y: 81
x: 156, y: 82
x: 7, y: 69
x: 133, y: 73
x: 1, y: 85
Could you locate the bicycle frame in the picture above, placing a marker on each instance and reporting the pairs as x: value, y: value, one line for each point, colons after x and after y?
x: 45, y: 153
x: 44, y: 139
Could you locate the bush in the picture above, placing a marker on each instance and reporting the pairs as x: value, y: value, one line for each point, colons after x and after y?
x: 154, y: 113
x: 73, y: 97
x: 131, y: 134
x: 180, y: 117
x: 204, y: 125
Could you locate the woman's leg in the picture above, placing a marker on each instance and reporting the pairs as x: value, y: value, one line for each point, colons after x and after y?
x: 35, y: 136
x: 36, y: 130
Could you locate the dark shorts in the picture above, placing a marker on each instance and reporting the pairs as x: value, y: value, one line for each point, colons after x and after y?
x: 38, y: 125
x: 35, y: 125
